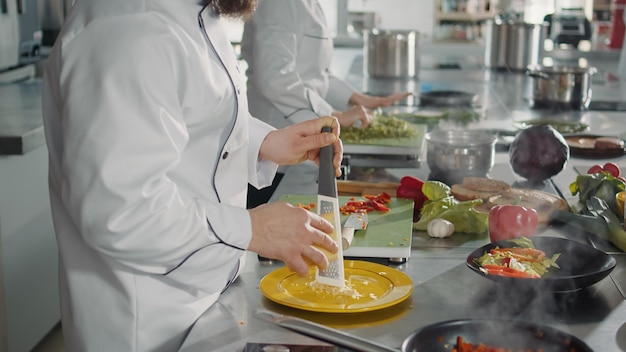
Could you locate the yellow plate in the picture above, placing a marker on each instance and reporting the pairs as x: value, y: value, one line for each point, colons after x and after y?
x: 369, y: 286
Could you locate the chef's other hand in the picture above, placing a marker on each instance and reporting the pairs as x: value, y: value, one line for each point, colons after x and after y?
x: 357, y: 116
x: 291, y: 234
x: 302, y: 141
x: 373, y: 102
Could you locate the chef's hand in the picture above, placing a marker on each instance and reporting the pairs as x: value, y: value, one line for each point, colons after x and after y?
x: 302, y: 141
x: 373, y: 102
x: 291, y: 234
x: 357, y: 116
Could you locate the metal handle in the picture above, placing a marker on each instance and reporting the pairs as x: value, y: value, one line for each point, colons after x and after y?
x: 327, y: 182
x: 347, y: 234
x: 322, y: 332
x: 535, y: 74
x: 20, y: 6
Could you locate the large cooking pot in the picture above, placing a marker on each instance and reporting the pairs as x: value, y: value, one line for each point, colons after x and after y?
x: 515, y: 335
x: 391, y: 53
x: 454, y: 154
x: 513, y: 45
x: 563, y: 87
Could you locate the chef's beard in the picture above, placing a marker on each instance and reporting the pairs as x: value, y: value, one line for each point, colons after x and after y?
x: 232, y: 8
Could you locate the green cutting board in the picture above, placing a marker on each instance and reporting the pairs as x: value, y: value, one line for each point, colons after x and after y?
x: 402, y: 146
x: 388, y: 235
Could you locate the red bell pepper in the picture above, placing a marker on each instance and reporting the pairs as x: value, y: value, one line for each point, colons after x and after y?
x: 512, y: 221
x: 411, y: 188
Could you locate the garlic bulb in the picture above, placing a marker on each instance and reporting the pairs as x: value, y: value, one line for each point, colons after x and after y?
x: 440, y: 228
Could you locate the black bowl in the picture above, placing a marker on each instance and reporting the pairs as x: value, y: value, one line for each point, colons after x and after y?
x: 503, y: 333
x: 580, y: 265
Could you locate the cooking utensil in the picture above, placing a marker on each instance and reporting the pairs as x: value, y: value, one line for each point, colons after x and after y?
x: 514, y: 335
x: 371, y: 287
x: 454, y: 154
x: 388, y: 234
x: 321, y: 332
x: 447, y: 98
x: 441, y: 337
x: 355, y: 221
x: 580, y: 265
x: 513, y: 45
x: 563, y: 87
x: 391, y: 53
x: 328, y: 208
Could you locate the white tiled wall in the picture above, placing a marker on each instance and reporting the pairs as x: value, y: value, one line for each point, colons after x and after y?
x: 395, y: 14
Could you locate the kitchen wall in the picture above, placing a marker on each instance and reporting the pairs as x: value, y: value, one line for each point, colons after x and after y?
x: 395, y: 14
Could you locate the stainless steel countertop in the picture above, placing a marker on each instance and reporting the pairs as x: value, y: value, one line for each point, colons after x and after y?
x: 21, y: 123
x: 444, y: 288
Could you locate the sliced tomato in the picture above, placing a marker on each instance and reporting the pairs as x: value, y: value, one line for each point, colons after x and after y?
x: 509, y: 272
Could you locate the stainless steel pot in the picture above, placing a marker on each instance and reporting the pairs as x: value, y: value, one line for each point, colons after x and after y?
x: 513, y: 45
x: 454, y: 154
x: 564, y: 87
x: 391, y: 53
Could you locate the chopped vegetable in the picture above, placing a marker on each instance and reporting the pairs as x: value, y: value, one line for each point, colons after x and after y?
x: 521, y: 262
x: 460, y: 116
x: 370, y: 203
x: 462, y: 346
x: 381, y: 127
x: 306, y: 206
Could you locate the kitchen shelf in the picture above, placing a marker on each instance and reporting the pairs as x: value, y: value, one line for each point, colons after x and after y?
x: 463, y: 16
x: 462, y: 23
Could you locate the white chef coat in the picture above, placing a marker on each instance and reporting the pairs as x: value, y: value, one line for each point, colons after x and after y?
x: 151, y: 148
x: 288, y: 48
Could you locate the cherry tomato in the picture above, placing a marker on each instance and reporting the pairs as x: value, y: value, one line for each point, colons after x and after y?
x: 512, y: 221
x: 595, y: 169
x: 612, y: 168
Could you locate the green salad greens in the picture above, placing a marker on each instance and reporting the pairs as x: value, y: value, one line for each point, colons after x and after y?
x: 442, y: 205
x: 597, y: 211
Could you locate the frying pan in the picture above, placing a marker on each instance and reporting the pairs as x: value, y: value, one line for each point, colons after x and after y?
x: 580, y: 265
x: 441, y: 337
x: 514, y: 335
x: 446, y: 98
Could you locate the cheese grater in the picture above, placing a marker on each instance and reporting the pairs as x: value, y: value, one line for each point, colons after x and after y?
x: 328, y: 208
